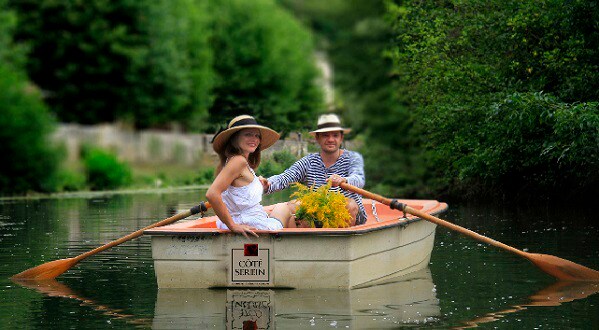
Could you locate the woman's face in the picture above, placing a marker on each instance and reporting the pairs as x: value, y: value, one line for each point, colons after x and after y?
x: 248, y: 140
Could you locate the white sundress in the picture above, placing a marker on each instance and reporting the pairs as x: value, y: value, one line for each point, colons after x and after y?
x: 244, y: 206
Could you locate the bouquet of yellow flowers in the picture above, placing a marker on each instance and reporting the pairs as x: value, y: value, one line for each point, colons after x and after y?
x: 321, y: 207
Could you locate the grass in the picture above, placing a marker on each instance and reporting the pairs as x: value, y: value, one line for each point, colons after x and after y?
x: 156, y: 175
x: 168, y: 175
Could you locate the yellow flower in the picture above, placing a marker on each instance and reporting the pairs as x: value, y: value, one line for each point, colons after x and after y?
x: 321, y: 207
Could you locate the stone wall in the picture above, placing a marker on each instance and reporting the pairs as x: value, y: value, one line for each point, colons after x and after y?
x: 152, y: 146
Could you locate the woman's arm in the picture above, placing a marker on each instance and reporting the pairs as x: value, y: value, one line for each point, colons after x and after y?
x: 223, y: 180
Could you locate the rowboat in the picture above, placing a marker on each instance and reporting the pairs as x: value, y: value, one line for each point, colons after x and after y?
x: 195, y: 254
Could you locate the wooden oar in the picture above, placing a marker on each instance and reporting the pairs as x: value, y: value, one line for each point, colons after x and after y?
x: 559, y: 268
x: 53, y: 269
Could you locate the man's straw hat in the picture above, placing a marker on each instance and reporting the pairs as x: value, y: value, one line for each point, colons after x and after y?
x: 329, y: 123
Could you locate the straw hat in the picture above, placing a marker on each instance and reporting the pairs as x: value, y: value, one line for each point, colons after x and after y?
x: 329, y: 123
x: 269, y: 136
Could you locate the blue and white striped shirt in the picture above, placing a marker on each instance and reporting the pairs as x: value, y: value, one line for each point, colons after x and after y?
x: 311, y: 171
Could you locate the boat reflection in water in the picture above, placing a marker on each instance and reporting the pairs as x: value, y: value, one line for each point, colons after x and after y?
x: 409, y: 299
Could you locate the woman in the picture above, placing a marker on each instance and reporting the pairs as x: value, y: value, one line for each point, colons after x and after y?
x: 236, y: 193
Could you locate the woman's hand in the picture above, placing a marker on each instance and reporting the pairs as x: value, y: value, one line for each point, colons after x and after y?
x: 264, y: 183
x: 243, y: 230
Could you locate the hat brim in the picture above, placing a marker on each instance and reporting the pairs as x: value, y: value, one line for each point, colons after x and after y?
x: 331, y: 129
x: 268, y: 137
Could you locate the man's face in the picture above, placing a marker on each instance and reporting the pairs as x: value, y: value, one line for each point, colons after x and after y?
x: 330, y: 142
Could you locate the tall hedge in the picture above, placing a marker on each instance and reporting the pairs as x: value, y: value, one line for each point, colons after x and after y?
x: 28, y: 160
x: 264, y: 63
x: 457, y: 60
x: 145, y: 62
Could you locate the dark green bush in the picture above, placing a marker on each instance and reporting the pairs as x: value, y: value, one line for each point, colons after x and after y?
x: 269, y: 167
x: 104, y: 170
x: 276, y: 163
x: 205, y: 176
x: 29, y: 161
x: 284, y: 158
x: 534, y: 140
x: 66, y: 180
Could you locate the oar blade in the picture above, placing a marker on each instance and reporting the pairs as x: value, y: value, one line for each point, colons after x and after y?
x: 47, y: 271
x: 562, y: 269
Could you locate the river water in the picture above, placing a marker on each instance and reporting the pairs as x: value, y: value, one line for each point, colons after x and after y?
x: 467, y: 284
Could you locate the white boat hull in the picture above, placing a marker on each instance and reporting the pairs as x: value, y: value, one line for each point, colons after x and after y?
x: 312, y: 259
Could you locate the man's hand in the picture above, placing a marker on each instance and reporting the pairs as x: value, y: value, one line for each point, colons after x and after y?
x: 264, y: 182
x: 336, y: 180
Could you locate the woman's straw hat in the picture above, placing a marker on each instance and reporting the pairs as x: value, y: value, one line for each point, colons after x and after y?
x: 268, y: 136
x: 329, y: 123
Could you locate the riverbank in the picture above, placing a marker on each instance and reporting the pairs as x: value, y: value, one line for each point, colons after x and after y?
x: 102, y: 193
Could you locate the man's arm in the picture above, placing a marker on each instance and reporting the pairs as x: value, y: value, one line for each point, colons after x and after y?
x: 295, y: 173
x: 356, y: 175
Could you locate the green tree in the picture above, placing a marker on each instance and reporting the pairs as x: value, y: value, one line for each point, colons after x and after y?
x: 29, y: 161
x: 174, y: 77
x: 264, y: 63
x: 99, y: 60
x: 456, y: 60
x: 355, y: 36
x: 11, y: 54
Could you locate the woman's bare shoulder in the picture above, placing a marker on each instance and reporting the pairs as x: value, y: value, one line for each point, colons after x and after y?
x: 237, y: 162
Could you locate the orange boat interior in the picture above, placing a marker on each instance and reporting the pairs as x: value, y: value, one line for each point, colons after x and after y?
x: 379, y: 216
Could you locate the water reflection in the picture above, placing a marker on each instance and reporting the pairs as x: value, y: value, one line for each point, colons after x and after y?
x: 410, y: 299
x: 553, y: 295
x: 53, y: 288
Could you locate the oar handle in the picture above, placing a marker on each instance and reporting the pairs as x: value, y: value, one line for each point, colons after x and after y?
x: 394, y: 204
x: 202, y: 207
x: 365, y: 193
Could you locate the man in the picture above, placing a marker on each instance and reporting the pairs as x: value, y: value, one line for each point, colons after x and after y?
x: 331, y: 163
